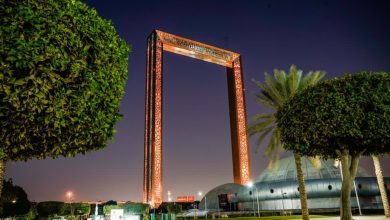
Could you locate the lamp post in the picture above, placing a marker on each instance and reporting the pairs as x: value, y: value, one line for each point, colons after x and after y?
x: 253, y: 202
x: 69, y: 195
x: 250, y: 185
x: 357, y: 197
x: 338, y: 164
x: 283, y: 193
x: 205, y: 201
x: 169, y: 196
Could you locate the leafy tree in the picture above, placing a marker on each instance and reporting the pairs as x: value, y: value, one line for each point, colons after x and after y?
x: 32, y: 213
x: 107, y: 209
x: 78, y: 209
x: 50, y: 208
x: 174, y: 208
x: 129, y: 208
x: 343, y: 118
x: 274, y: 93
x: 63, y: 70
x: 14, y: 200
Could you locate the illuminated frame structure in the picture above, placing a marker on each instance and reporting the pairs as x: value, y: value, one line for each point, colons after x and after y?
x: 157, y: 42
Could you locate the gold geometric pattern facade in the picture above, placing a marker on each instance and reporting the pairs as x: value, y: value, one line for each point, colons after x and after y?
x: 157, y: 42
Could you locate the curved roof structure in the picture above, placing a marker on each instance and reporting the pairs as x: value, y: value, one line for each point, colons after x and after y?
x: 286, y: 171
x: 272, y: 186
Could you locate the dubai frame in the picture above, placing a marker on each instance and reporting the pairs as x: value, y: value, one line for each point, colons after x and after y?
x: 157, y: 42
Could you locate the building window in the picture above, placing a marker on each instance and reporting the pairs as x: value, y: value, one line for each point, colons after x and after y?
x: 359, y: 186
x: 272, y: 190
x: 250, y: 193
x: 330, y: 187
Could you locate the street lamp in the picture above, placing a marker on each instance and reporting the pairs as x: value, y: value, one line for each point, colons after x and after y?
x: 337, y: 163
x: 69, y: 195
x: 205, y: 201
x: 169, y: 196
x: 253, y: 202
x: 283, y: 193
x: 200, y: 197
x: 251, y: 185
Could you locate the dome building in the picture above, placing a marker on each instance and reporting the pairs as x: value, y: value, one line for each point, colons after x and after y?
x: 277, y: 190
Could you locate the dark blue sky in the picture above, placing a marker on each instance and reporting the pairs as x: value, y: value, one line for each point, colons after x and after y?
x: 336, y: 36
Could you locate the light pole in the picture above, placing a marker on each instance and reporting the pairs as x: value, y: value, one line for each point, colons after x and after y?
x: 250, y: 185
x: 253, y: 202
x: 283, y: 193
x: 205, y: 201
x: 69, y: 195
x: 169, y: 200
x: 357, y: 197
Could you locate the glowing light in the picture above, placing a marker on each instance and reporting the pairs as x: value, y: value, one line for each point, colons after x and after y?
x: 200, y: 193
x: 249, y: 184
x: 69, y: 194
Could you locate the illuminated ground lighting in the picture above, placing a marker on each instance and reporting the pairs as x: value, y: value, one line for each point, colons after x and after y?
x: 157, y: 42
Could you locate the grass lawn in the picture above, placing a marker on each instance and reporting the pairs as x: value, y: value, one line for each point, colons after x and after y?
x: 276, y: 217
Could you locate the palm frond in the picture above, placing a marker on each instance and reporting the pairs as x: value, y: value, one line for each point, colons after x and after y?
x: 281, y: 79
x: 259, y: 127
x: 311, y: 79
x: 263, y: 116
x: 294, y: 80
x: 267, y: 92
x: 266, y: 101
x: 274, y: 92
x: 262, y: 136
x: 272, y: 89
x: 273, y: 149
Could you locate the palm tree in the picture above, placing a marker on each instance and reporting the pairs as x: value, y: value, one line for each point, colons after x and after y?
x: 381, y: 184
x: 273, y: 94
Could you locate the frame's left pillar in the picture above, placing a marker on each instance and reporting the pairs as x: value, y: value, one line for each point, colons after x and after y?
x: 153, y: 123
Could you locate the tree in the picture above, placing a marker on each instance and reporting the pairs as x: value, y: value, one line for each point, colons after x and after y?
x: 174, y: 208
x: 78, y: 209
x: 63, y: 70
x: 274, y: 93
x: 342, y: 118
x: 50, y: 208
x: 381, y: 184
x: 14, y: 200
x: 129, y: 208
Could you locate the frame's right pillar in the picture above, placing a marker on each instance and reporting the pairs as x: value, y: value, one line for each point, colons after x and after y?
x: 237, y: 109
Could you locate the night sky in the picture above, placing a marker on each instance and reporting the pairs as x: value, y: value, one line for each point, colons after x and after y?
x: 334, y: 36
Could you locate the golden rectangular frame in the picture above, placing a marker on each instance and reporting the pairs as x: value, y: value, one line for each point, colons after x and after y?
x: 157, y: 42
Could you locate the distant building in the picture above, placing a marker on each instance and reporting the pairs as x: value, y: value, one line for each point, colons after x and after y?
x: 277, y: 190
